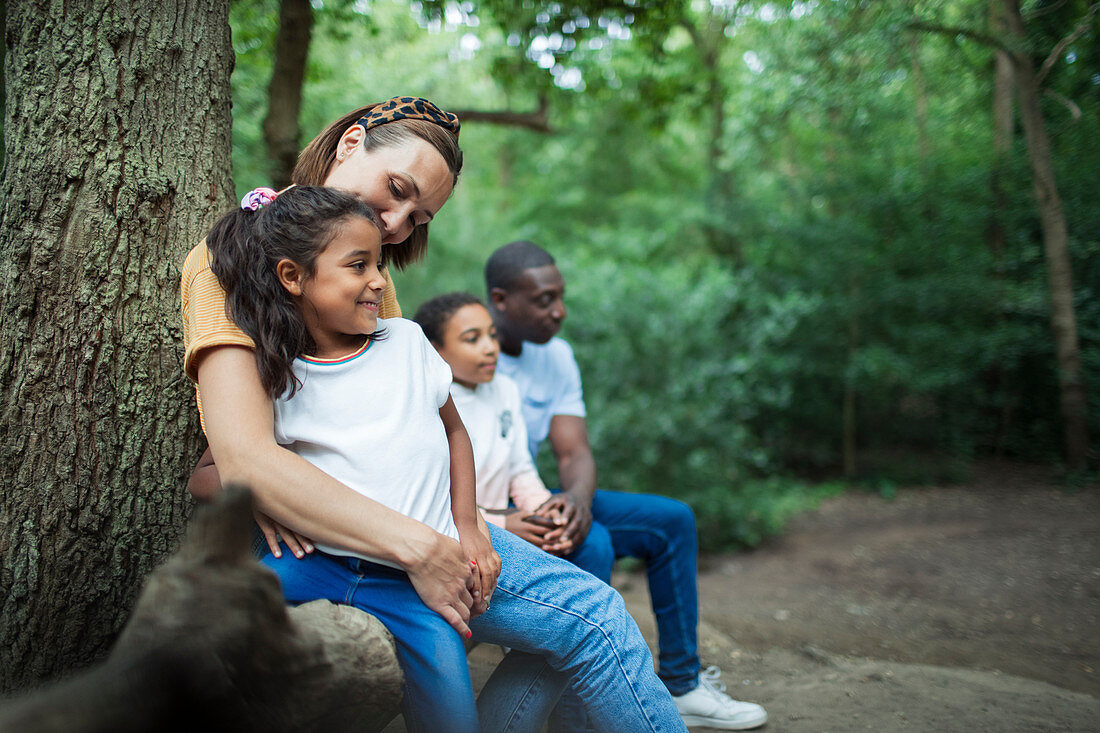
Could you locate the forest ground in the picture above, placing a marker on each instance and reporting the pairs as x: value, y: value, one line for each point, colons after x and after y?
x: 972, y: 607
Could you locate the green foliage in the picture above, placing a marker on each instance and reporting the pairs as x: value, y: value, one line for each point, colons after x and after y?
x: 761, y: 209
x: 756, y: 510
x: 678, y: 361
x: 254, y: 25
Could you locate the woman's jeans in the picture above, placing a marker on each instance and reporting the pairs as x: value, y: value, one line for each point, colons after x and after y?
x: 661, y: 532
x: 575, y: 624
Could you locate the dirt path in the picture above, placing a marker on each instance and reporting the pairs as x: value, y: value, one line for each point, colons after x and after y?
x: 969, y: 608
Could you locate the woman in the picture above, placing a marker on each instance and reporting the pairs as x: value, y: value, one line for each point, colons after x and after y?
x: 402, y: 158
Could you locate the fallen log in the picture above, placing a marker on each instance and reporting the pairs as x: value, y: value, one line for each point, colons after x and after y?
x: 212, y: 646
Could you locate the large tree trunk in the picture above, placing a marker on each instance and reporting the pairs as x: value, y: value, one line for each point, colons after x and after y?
x: 1056, y: 245
x: 117, y: 143
x: 284, y: 94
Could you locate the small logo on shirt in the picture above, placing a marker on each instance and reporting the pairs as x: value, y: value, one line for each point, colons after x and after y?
x: 505, y: 423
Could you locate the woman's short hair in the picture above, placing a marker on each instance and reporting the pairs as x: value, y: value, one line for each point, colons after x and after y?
x: 316, y: 159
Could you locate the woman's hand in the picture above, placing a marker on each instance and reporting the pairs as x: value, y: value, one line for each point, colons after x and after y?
x: 440, y: 575
x: 272, y: 531
x: 484, y: 565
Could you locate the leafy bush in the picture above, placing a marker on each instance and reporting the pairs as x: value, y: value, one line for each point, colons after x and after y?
x: 753, y: 511
x: 677, y: 362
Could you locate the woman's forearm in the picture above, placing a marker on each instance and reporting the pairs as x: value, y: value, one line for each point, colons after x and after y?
x: 294, y: 492
x: 205, y: 484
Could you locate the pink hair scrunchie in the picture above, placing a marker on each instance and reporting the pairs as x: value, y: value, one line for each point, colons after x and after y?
x: 258, y: 198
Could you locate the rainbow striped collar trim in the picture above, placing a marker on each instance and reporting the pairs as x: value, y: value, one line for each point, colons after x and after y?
x: 339, y: 359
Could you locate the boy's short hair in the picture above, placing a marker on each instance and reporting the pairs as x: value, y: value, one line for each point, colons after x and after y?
x: 434, y: 315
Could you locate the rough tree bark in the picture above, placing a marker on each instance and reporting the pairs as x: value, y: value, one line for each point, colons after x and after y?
x: 1055, y: 243
x: 117, y: 150
x: 284, y: 93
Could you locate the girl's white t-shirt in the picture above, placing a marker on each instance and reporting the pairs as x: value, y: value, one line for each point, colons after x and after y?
x: 371, y: 421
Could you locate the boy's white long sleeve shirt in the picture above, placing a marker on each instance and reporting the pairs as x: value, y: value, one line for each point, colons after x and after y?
x: 502, y: 462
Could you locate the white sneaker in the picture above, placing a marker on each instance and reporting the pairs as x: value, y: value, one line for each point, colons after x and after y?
x: 709, y: 705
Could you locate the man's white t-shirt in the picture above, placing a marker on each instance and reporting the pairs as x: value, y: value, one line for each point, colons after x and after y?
x: 492, y: 415
x: 549, y: 382
x: 371, y: 421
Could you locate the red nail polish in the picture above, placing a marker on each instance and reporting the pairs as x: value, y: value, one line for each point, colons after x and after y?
x: 469, y: 634
x: 473, y: 562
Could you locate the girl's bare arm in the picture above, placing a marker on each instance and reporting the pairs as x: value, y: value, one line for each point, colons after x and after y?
x: 471, y: 525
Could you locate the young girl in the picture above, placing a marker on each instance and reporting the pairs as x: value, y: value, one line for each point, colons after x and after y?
x: 460, y: 328
x: 365, y: 400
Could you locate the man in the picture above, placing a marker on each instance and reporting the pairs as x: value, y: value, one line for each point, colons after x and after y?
x: 526, y: 297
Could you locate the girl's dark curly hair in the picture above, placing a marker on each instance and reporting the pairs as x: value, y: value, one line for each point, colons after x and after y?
x: 245, y: 247
x: 434, y: 315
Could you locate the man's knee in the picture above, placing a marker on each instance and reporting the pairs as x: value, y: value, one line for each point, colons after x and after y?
x: 680, y: 516
x: 674, y: 516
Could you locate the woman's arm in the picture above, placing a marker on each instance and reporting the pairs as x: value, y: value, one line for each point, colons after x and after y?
x: 472, y: 529
x: 205, y: 484
x: 296, y: 494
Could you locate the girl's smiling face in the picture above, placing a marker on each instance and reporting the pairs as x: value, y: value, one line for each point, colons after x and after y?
x: 339, y: 301
x: 470, y: 345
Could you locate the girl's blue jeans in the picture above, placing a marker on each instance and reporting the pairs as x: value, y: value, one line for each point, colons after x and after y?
x: 438, y: 695
x: 576, y: 626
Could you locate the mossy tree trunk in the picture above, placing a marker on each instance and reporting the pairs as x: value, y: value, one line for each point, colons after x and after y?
x: 117, y: 158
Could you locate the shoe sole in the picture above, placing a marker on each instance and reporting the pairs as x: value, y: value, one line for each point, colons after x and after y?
x: 698, y: 720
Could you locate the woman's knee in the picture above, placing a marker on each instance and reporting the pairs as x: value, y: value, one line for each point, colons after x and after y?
x: 596, y: 554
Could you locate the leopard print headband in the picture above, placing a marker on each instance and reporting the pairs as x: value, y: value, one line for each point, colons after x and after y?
x: 409, y: 108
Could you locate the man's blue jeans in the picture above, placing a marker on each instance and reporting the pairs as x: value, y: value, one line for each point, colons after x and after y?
x: 576, y: 625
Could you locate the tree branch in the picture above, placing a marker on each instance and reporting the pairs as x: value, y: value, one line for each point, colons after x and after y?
x: 1056, y: 54
x: 982, y: 38
x: 1040, y: 12
x: 536, y: 120
x: 1066, y: 102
